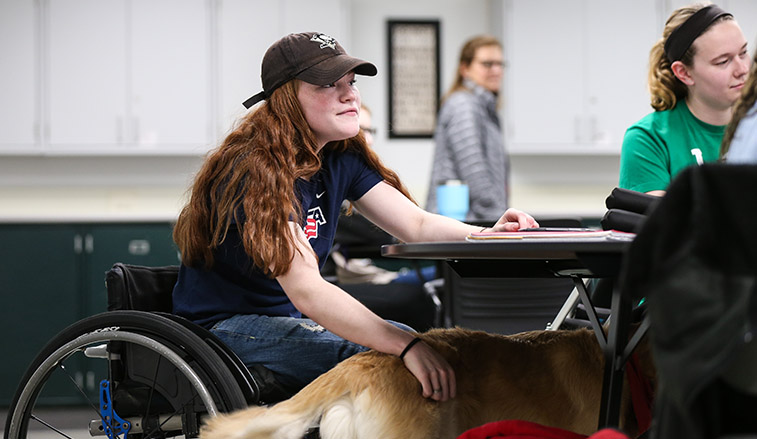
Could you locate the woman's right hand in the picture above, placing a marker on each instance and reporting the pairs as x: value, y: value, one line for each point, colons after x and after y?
x: 436, y: 376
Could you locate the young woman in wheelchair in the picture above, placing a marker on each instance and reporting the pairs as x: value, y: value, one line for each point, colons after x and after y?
x: 262, y: 215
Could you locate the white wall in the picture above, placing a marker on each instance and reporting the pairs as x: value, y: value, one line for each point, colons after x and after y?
x: 113, y: 185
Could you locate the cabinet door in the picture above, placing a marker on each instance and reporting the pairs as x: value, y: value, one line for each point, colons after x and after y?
x: 169, y: 71
x: 745, y: 13
x: 563, y: 96
x: 141, y: 244
x: 239, y: 65
x: 616, y: 92
x: 544, y: 80
x: 86, y: 74
x: 129, y: 75
x: 18, y: 46
x: 39, y: 286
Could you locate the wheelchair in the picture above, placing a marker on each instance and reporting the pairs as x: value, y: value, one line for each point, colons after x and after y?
x: 149, y: 373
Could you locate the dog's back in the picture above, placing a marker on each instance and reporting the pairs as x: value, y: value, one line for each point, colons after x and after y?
x: 550, y: 377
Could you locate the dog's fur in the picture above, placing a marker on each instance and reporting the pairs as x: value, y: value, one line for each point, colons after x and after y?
x: 552, y: 378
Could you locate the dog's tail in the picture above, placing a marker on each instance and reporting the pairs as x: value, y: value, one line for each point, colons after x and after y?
x: 332, y: 401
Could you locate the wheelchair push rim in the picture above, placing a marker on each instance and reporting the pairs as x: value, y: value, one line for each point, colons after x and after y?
x: 206, y: 388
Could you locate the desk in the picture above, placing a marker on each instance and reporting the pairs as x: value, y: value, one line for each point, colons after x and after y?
x: 574, y: 258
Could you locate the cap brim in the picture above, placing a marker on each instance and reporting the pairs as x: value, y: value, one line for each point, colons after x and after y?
x: 331, y: 69
x: 254, y: 100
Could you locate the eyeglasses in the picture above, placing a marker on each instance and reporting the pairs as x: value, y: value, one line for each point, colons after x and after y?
x: 490, y: 64
x: 369, y: 130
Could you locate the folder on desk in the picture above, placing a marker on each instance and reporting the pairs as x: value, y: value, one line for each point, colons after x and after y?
x: 592, y: 234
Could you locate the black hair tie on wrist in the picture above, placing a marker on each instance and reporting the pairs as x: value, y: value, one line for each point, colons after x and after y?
x: 409, y: 345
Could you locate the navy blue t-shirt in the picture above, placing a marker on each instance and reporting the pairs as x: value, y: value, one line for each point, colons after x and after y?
x: 233, y: 286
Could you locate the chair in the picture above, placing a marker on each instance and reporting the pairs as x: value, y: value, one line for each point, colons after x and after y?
x: 141, y: 368
x: 627, y: 210
x: 504, y: 306
x: 695, y: 262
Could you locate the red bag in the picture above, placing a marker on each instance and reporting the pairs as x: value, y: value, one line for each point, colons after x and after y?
x: 529, y: 430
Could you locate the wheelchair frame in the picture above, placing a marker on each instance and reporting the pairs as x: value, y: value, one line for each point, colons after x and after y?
x: 161, y: 376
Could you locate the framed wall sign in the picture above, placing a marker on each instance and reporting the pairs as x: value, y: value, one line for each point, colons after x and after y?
x: 413, y: 48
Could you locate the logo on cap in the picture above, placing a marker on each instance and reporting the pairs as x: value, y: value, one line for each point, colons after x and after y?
x: 325, y: 40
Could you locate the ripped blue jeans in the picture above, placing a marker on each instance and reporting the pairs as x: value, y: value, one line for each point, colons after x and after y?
x: 296, y: 350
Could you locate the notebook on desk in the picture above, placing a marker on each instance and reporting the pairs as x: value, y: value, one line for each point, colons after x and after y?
x: 553, y: 233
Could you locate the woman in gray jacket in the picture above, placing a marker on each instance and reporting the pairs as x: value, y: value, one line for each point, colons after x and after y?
x: 469, y: 142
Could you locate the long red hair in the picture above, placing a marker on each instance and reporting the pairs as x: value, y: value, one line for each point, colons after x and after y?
x: 255, y: 168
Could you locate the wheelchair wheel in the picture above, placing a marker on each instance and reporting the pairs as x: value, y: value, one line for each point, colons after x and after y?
x: 145, y: 376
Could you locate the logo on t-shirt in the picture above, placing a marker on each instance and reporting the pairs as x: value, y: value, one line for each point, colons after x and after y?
x: 315, y: 218
x: 697, y: 153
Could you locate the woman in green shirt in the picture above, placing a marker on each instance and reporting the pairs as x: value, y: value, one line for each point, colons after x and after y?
x: 697, y: 70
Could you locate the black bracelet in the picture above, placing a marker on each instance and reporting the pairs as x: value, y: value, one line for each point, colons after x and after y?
x: 409, y: 345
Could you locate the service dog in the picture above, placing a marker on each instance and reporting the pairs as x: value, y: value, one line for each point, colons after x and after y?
x: 553, y: 378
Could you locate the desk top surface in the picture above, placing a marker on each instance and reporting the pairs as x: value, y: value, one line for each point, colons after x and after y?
x: 507, y: 249
x: 521, y: 258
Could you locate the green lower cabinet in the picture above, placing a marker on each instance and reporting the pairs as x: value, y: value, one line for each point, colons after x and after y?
x: 40, y: 287
x: 52, y: 275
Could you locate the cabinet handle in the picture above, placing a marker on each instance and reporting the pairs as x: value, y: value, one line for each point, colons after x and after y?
x: 90, y: 380
x: 119, y: 129
x: 577, y: 129
x: 139, y: 247
x: 135, y: 130
x: 89, y: 243
x: 78, y: 244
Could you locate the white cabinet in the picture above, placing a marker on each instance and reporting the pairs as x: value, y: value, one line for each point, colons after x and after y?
x: 170, y: 73
x: 241, y: 49
x: 100, y: 77
x: 562, y: 94
x: 19, y: 118
x: 128, y: 76
x: 86, y: 74
x: 745, y: 13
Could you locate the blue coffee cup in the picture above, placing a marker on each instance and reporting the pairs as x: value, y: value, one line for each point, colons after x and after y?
x: 452, y: 199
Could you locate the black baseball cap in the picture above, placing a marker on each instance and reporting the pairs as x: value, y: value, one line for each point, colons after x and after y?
x: 312, y: 57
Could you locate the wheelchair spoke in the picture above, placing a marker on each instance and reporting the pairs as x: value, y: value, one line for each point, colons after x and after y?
x: 158, y: 429
x: 34, y: 417
x: 79, y: 389
x: 152, y: 388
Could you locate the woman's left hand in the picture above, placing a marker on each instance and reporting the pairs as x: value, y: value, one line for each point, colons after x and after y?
x: 514, y: 220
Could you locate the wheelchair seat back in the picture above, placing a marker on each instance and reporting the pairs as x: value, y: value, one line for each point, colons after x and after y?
x: 150, y: 289
x: 134, y: 287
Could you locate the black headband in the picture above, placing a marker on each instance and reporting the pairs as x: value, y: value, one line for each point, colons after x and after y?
x: 681, y: 38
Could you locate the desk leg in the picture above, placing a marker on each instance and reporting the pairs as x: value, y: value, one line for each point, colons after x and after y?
x: 612, y: 385
x: 567, y: 308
